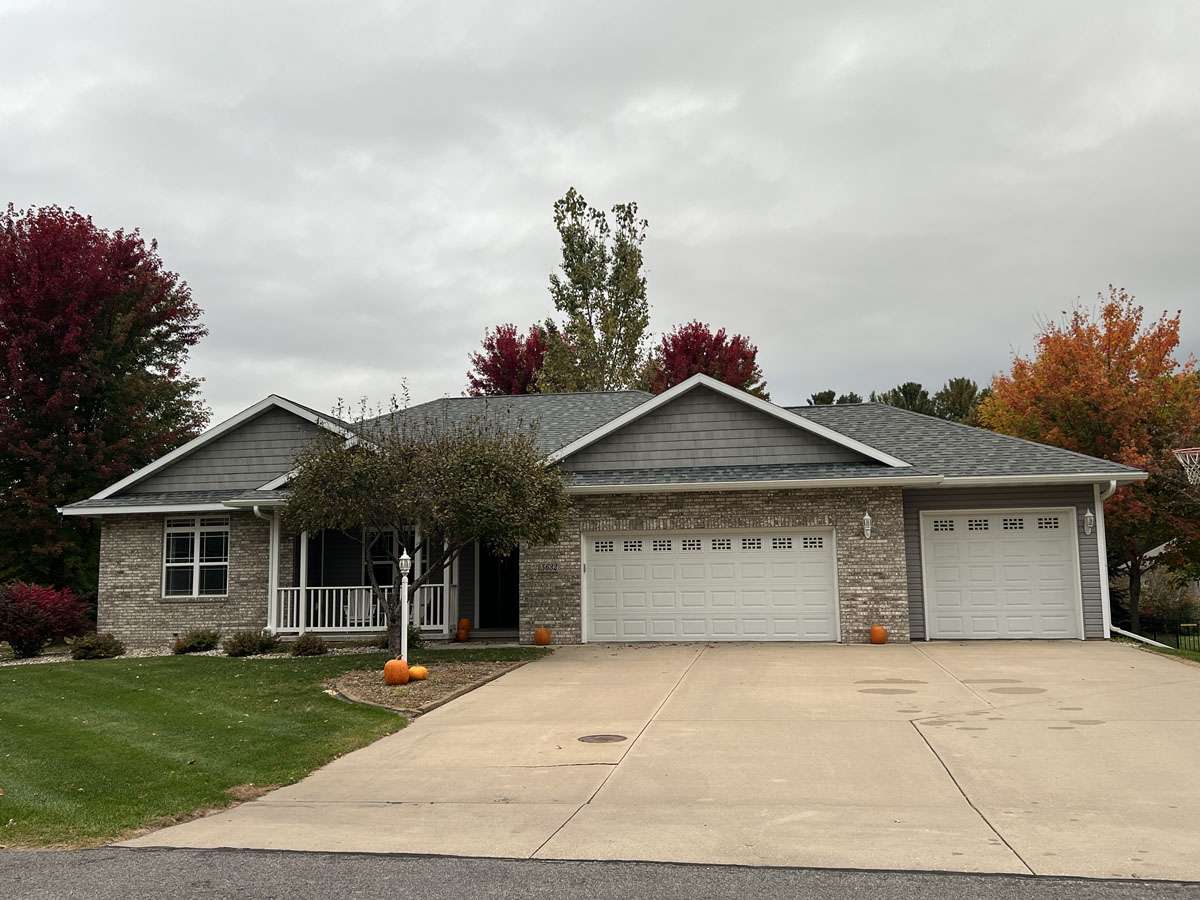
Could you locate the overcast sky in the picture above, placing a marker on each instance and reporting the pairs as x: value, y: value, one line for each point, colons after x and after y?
x: 873, y: 193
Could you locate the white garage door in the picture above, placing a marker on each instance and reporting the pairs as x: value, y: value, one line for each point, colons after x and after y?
x: 1001, y: 574
x: 736, y: 586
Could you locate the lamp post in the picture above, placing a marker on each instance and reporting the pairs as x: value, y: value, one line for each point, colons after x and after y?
x: 405, y: 566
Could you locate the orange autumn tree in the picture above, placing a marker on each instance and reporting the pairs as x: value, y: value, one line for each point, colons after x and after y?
x: 1107, y: 383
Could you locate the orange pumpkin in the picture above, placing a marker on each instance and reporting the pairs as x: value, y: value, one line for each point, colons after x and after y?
x: 395, y: 671
x: 541, y: 636
x: 418, y: 673
x: 878, y: 634
x: 462, y: 634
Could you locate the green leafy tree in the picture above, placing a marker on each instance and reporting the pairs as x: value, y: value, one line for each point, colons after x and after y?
x: 910, y: 396
x: 482, y: 480
x: 601, y: 292
x: 959, y: 400
x: 832, y: 398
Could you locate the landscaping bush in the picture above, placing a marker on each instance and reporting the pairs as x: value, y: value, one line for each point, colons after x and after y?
x: 250, y: 643
x: 309, y: 645
x: 96, y: 646
x: 32, y: 615
x: 415, y: 639
x: 198, y: 640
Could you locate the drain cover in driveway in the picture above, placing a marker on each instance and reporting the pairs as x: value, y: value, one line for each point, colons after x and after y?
x: 602, y: 738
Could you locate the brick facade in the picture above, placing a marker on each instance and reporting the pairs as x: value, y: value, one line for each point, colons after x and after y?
x: 871, y: 572
x: 131, y: 604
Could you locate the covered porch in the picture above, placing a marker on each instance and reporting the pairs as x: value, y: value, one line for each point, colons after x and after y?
x: 321, y: 582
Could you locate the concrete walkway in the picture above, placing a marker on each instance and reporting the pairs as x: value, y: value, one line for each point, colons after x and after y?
x: 1031, y: 757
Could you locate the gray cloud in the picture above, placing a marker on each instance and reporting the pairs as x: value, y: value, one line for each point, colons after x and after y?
x: 872, y: 194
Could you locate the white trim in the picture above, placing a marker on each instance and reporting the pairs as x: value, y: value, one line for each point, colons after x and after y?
x: 274, y: 400
x: 1102, y: 553
x: 583, y: 598
x: 778, y: 484
x: 131, y: 510
x: 244, y: 502
x: 1074, y: 478
x: 1072, y: 514
x: 700, y: 380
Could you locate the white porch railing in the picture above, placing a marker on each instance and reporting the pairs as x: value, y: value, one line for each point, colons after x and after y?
x: 354, y: 609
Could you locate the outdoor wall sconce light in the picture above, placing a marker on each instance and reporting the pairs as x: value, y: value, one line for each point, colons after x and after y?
x: 867, y: 525
x: 1089, y: 522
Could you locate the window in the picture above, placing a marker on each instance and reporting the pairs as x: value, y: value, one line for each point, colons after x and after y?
x: 661, y: 545
x: 1047, y: 523
x: 690, y: 544
x: 977, y: 524
x: 602, y: 546
x: 634, y: 546
x: 781, y: 543
x: 722, y: 543
x: 196, y: 557
x: 379, y: 546
x: 751, y: 543
x: 943, y: 524
x: 813, y: 543
x: 1013, y: 524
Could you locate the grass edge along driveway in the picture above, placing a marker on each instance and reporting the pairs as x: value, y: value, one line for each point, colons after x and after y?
x: 91, y: 751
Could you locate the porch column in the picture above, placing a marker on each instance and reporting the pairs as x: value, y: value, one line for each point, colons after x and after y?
x: 273, y: 575
x: 303, y: 581
x: 449, y: 581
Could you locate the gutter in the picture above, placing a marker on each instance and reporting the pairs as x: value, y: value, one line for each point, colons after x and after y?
x: 1137, y: 637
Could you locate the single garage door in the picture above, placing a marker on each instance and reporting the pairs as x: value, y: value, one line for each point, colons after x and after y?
x: 735, y: 586
x: 1001, y: 574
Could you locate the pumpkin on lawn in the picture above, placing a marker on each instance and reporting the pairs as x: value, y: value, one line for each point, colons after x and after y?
x: 395, y: 671
x: 418, y: 673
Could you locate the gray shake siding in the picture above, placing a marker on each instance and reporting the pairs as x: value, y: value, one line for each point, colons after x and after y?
x: 704, y: 428
x: 246, y: 457
x: 1081, y: 497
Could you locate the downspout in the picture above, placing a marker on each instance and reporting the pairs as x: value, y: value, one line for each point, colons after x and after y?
x: 1102, y: 553
x: 272, y: 567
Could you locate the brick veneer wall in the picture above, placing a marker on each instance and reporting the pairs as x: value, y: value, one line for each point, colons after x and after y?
x: 871, y: 572
x: 131, y: 605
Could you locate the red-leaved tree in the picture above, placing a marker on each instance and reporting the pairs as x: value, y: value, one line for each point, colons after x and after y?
x: 693, y: 348
x: 1108, y: 384
x: 94, y: 336
x: 509, y: 362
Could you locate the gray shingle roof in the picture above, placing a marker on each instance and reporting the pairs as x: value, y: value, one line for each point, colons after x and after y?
x: 559, y: 418
x: 168, y: 498
x: 937, y: 447
x: 711, y: 474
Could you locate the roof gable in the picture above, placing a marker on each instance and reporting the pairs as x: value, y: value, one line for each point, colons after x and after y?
x: 686, y: 423
x: 243, y: 451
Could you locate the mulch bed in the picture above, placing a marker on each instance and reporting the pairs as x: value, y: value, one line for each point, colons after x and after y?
x: 446, y: 681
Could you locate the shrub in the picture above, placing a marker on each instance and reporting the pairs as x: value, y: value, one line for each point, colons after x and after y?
x: 416, y: 640
x: 31, y: 615
x: 250, y: 643
x: 96, y: 646
x: 198, y: 640
x: 309, y: 645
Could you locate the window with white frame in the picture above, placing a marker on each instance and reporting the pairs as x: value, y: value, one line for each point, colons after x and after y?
x: 196, y: 556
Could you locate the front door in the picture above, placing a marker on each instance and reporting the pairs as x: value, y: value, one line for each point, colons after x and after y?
x: 499, y: 590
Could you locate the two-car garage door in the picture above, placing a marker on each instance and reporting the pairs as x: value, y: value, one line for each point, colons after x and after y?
x: 1002, y: 573
x: 741, y: 586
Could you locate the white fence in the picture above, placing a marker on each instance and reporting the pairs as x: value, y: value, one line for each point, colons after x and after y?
x: 355, y: 609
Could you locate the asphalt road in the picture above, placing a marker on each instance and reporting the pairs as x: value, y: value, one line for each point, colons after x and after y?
x: 134, y: 873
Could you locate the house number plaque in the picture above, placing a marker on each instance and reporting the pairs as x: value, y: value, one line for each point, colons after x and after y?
x: 547, y: 568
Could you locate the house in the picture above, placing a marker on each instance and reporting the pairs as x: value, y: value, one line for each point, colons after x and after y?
x: 703, y: 513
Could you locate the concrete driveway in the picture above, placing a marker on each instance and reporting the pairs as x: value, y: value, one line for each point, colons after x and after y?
x: 1046, y: 757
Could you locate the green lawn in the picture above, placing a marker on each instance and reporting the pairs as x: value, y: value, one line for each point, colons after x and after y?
x: 91, y: 750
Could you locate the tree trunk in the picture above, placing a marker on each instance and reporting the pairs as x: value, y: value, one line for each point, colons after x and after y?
x: 1135, y: 594
x: 394, y: 632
